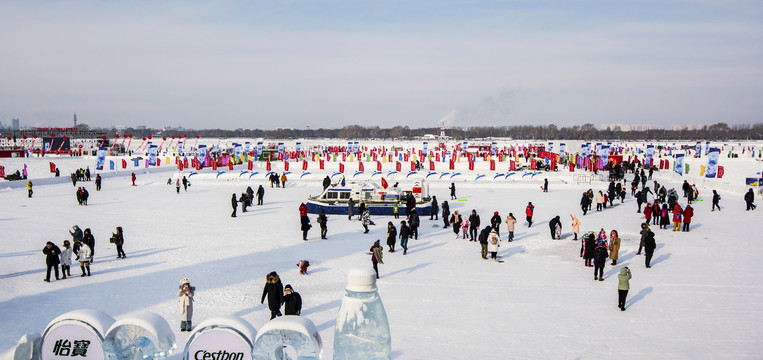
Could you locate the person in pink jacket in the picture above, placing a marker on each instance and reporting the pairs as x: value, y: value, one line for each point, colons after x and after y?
x: 575, y: 226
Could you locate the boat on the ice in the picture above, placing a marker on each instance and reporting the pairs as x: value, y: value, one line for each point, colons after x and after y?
x: 378, y: 200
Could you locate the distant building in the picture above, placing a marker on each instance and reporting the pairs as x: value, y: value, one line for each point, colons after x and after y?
x: 16, y: 125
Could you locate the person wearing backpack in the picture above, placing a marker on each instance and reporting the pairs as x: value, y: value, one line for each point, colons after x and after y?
x: 492, y: 244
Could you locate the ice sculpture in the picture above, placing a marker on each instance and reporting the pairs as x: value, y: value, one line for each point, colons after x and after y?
x: 291, y: 330
x: 28, y: 348
x: 144, y: 336
x: 77, y: 333
x: 222, y: 338
x: 362, y: 328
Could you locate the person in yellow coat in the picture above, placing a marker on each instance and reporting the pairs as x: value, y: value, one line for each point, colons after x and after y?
x: 283, y: 180
x: 614, y: 246
x: 29, y: 188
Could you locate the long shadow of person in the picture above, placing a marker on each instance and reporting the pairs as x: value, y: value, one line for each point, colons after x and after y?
x: 640, y: 295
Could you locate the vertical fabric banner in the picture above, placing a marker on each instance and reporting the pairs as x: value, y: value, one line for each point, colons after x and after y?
x: 679, y: 164
x: 465, y: 146
x: 707, y: 148
x: 152, y: 150
x: 698, y: 148
x: 562, y: 148
x: 712, y: 162
x: 649, y: 154
x: 424, y: 147
x: 111, y: 165
x: 202, y: 152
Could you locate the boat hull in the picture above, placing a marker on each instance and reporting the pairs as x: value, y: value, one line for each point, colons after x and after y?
x: 337, y: 208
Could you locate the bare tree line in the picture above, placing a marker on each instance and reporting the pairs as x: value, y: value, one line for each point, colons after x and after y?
x: 587, y: 132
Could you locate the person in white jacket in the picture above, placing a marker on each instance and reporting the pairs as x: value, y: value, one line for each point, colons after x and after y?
x: 66, y: 259
x: 492, y: 244
x: 83, y: 255
x: 185, y: 293
x: 599, y: 201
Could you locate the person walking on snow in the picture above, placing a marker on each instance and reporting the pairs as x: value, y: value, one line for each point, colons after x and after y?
x: 323, y: 221
x: 749, y: 198
x: 492, y: 244
x: 623, y: 285
x: 376, y: 256
x: 455, y: 219
x: 366, y: 220
x: 185, y: 293
x: 688, y: 214
x: 599, y: 260
x: 445, y: 214
x: 575, y: 226
x: 29, y: 188
x: 474, y: 225
x: 260, y: 194
x: 83, y: 254
x: 405, y: 233
x: 292, y: 301
x: 391, y: 236
x: 495, y: 223
x: 716, y: 200
x: 452, y: 191
x: 234, y: 205
x: 435, y: 209
x: 66, y: 259
x: 52, y: 253
x: 614, y: 246
x: 118, y: 240
x: 132, y: 177
x: 274, y: 291
x: 510, y: 222
x: 529, y: 213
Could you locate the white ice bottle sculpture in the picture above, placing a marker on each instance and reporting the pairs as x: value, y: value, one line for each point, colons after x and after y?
x: 362, y: 329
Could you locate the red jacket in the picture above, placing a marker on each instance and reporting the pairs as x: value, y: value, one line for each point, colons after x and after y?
x: 529, y: 210
x: 648, y: 212
x: 688, y: 213
x: 303, y: 210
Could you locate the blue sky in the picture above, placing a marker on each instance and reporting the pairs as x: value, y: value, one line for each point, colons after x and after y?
x: 271, y: 64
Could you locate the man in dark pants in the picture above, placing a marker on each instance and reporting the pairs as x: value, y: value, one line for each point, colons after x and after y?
x: 474, y: 224
x: 435, y: 209
x: 52, y: 253
x: 749, y: 198
x: 649, y: 246
x: 234, y: 204
x: 414, y: 223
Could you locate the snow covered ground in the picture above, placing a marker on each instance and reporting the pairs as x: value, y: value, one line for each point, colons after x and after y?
x: 700, y: 299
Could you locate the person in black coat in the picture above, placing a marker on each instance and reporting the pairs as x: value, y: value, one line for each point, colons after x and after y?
x: 414, y: 223
x: 292, y: 301
x: 326, y: 182
x: 322, y: 221
x: 599, y: 259
x: 274, y: 291
x: 435, y: 209
x: 410, y: 204
x: 52, y: 253
x: 260, y: 194
x: 185, y: 183
x: 452, y: 191
x: 391, y: 236
x: 304, y: 226
x: 234, y: 204
x: 552, y: 225
x: 361, y: 209
x: 474, y: 224
x: 585, y: 203
x: 749, y: 198
x: 445, y: 214
x: 495, y: 223
x: 483, y: 241
x: 98, y: 182
x: 649, y: 246
x: 716, y: 200
x: 545, y: 185
x: 590, y: 246
x: 405, y: 233
x: 89, y: 240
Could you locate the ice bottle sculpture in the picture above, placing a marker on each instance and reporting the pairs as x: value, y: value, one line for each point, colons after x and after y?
x: 362, y: 329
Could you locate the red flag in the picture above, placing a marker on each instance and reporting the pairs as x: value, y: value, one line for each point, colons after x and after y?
x: 431, y: 166
x: 360, y: 166
x: 180, y: 165
x: 304, y: 164
x: 321, y: 164
x: 720, y: 171
x: 285, y: 166
x: 413, y: 166
x: 398, y: 166
x: 532, y: 164
x: 384, y: 183
x: 230, y: 165
x: 452, y: 165
x: 250, y: 165
x: 52, y: 167
x: 341, y: 168
x: 492, y: 165
x: 378, y: 166
x: 572, y: 166
x: 214, y: 165
x: 267, y: 166
x: 471, y: 165
x: 512, y: 165
x: 2, y: 171
x: 124, y: 164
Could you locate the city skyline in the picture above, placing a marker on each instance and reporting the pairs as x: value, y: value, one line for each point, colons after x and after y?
x: 329, y: 64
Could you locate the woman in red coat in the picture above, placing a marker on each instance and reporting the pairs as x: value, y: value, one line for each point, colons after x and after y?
x: 688, y: 213
x: 648, y: 212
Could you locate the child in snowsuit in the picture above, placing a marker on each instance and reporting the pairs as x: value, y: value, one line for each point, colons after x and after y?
x: 303, y: 264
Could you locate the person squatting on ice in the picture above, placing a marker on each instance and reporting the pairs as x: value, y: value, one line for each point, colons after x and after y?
x: 302, y: 265
x: 185, y: 293
x: 274, y: 291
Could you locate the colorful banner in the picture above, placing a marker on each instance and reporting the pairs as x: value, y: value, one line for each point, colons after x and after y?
x: 712, y: 162
x: 678, y: 167
x: 562, y: 148
x: 152, y: 150
x: 101, y: 159
x: 649, y: 154
x: 202, y: 152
